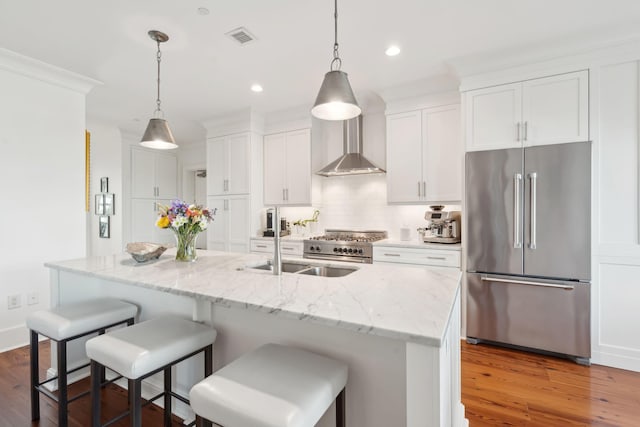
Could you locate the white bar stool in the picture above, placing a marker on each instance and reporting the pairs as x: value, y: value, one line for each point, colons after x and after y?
x: 145, y: 349
x: 273, y: 386
x: 63, y: 324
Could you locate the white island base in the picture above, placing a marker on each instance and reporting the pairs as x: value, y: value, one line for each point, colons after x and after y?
x: 395, y: 379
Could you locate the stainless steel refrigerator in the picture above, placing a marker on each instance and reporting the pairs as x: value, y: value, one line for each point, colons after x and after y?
x: 529, y: 247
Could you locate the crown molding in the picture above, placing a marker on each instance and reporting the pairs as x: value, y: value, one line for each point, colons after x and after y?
x: 245, y: 120
x: 33, y: 68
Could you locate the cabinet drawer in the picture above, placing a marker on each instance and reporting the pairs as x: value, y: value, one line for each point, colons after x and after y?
x: 286, y: 247
x: 433, y: 257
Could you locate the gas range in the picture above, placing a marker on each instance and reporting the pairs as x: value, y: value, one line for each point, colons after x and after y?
x: 343, y: 245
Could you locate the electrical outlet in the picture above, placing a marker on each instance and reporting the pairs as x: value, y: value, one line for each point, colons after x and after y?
x: 14, y: 301
x: 33, y: 298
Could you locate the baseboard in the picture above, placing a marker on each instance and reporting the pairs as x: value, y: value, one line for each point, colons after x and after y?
x: 14, y: 337
x: 616, y: 360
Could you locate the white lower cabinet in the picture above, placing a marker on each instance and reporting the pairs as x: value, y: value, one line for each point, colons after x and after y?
x: 287, y: 247
x: 230, y: 229
x: 416, y: 255
x: 144, y: 214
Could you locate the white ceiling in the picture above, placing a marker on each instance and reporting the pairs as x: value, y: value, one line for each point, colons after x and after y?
x: 204, y: 73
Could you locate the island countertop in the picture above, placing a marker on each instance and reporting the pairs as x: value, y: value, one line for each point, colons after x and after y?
x: 413, y: 304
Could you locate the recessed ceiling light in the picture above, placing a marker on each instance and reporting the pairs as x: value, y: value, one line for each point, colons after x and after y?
x: 392, y: 51
x: 203, y: 11
x: 256, y: 87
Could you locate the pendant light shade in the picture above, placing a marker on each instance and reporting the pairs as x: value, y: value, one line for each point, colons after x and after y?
x: 158, y: 135
x: 335, y: 100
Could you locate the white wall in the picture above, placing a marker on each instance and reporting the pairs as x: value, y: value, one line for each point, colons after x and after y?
x: 106, y: 161
x: 42, y: 205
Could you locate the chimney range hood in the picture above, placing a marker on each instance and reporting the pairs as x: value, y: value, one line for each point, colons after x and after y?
x: 352, y: 162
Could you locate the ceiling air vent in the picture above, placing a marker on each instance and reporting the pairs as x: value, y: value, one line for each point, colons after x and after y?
x: 241, y: 35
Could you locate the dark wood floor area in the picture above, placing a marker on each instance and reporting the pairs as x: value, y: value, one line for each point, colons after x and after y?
x: 503, y: 387
x: 500, y: 387
x: 15, y: 404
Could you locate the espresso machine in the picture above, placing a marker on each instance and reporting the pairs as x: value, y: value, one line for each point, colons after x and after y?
x: 270, y: 232
x: 442, y: 226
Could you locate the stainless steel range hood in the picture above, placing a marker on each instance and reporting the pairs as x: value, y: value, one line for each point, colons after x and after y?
x: 352, y: 162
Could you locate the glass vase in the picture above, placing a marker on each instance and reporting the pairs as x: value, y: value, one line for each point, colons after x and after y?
x: 186, y: 246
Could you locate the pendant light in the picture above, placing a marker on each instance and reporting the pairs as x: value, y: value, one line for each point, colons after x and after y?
x: 158, y: 135
x: 335, y: 100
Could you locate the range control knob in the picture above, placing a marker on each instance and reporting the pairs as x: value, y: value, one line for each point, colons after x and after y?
x: 336, y: 250
x: 360, y: 251
x: 350, y: 250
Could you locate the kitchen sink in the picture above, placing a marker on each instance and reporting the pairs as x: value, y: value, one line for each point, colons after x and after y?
x: 287, y: 267
x: 309, y: 269
x: 326, y: 271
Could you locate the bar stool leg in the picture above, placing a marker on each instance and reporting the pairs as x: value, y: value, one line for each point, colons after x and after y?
x: 340, y: 409
x: 35, y: 377
x: 96, y: 370
x: 135, y: 402
x: 62, y: 383
x: 208, y: 370
x: 167, y: 397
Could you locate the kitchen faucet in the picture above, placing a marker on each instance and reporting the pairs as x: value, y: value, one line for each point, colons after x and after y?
x: 277, y: 256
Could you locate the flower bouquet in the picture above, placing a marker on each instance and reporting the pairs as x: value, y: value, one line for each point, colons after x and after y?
x: 186, y: 221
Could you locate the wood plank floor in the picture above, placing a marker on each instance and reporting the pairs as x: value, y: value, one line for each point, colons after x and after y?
x: 15, y: 409
x: 504, y: 387
x: 500, y: 387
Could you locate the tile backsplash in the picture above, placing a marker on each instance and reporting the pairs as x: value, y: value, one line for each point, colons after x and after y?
x: 359, y: 202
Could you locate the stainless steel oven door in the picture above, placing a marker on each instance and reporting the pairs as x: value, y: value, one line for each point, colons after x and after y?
x: 345, y: 258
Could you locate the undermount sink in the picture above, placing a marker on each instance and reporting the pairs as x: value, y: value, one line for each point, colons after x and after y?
x: 326, y: 271
x: 309, y: 269
x: 287, y: 267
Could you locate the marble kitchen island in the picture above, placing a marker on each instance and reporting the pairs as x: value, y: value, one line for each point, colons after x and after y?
x: 396, y: 327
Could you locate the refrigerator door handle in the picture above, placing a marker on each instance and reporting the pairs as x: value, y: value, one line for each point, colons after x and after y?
x: 518, y: 131
x: 524, y: 282
x: 533, y: 177
x: 516, y: 210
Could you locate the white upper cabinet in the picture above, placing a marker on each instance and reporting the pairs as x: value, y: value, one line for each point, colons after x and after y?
x: 153, y: 175
x: 548, y: 110
x: 228, y: 164
x: 287, y: 168
x: 493, y: 117
x: 424, y: 156
x: 404, y: 157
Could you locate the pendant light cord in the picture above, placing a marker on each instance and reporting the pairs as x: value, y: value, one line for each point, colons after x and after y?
x: 159, y: 57
x: 336, y: 57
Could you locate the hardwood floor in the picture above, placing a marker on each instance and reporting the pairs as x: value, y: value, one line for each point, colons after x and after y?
x: 500, y: 387
x: 503, y: 387
x: 15, y: 404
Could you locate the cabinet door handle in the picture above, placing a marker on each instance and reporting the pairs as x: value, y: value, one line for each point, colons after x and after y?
x: 419, y: 189
x: 391, y: 254
x: 261, y: 246
x: 287, y: 248
x: 226, y: 185
x: 226, y: 205
x: 287, y: 191
x: 518, y: 131
x: 424, y: 188
x: 439, y: 258
x: 283, y: 196
x: 526, y: 130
